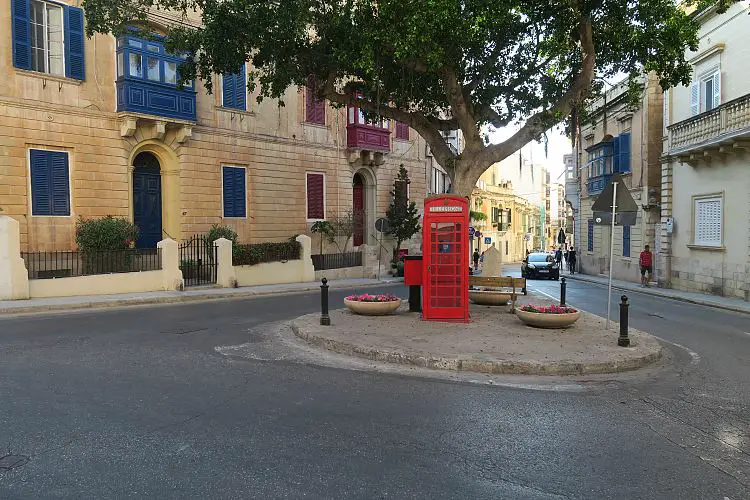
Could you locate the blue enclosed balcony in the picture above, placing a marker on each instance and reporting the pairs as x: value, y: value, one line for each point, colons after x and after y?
x: 147, y: 80
x: 612, y: 155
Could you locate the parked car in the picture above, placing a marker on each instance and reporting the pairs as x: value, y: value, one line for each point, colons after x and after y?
x: 540, y: 265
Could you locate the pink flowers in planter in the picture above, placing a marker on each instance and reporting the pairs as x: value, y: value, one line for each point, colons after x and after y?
x: 366, y: 297
x: 549, y: 309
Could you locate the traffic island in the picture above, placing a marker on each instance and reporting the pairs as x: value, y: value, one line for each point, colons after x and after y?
x: 495, y: 341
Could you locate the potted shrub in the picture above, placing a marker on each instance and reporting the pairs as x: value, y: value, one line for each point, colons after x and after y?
x: 372, y: 305
x: 548, y: 317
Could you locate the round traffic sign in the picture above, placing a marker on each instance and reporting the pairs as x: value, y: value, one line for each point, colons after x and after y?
x: 382, y: 225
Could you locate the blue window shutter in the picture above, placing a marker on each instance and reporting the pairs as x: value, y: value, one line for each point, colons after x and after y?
x: 626, y: 241
x: 41, y: 195
x: 240, y: 92
x: 60, y: 185
x: 616, y: 154
x: 227, y: 90
x: 75, y: 64
x: 234, y: 191
x: 625, y: 152
x: 50, y: 184
x: 239, y: 193
x: 21, y: 34
x: 228, y: 192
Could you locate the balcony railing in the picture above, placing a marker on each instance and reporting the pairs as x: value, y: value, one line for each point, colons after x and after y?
x: 728, y: 121
x: 369, y: 137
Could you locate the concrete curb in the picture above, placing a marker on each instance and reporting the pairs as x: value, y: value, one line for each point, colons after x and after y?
x: 471, y: 365
x: 172, y: 299
x: 658, y: 293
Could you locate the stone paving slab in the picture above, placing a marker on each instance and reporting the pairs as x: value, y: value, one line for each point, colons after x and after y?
x: 495, y: 341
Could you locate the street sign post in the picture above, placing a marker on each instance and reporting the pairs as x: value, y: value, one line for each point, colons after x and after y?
x: 614, y: 207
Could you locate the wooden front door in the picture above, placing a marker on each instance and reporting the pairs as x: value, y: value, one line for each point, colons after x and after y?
x: 147, y: 200
x: 358, y: 206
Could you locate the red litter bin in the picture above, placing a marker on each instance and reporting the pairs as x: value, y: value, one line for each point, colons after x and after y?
x: 413, y: 271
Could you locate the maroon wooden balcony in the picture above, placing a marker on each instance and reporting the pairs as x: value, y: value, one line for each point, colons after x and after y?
x: 368, y: 137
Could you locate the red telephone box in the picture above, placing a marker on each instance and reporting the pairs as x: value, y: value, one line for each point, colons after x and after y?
x: 445, y: 238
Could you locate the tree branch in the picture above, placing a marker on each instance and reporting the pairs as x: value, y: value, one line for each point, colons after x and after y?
x: 543, y: 120
x: 461, y: 109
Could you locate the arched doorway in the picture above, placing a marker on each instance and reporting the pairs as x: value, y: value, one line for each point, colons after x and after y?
x: 147, y: 199
x: 358, y: 206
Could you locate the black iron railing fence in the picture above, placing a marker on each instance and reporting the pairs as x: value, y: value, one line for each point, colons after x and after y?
x: 65, y: 264
x: 326, y: 261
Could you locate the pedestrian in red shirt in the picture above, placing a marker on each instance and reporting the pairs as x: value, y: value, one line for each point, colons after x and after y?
x: 647, y: 266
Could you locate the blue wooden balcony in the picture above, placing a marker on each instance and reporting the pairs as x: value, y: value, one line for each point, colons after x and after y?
x: 154, y: 99
x: 147, y: 77
x: 595, y: 185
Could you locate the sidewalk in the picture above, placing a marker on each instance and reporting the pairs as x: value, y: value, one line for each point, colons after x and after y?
x: 132, y: 299
x: 726, y: 303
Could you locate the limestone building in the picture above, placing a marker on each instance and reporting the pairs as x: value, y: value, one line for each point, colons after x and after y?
x: 625, y: 140
x: 96, y: 127
x: 705, y: 181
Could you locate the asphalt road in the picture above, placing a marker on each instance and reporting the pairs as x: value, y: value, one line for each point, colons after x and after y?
x: 139, y: 403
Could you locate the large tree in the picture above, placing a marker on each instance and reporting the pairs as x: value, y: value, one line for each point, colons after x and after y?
x: 435, y: 65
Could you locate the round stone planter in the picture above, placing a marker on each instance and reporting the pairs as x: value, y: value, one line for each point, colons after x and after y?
x: 489, y: 297
x: 372, y: 308
x: 544, y: 320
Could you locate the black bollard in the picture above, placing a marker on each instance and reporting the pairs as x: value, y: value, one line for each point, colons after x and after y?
x: 325, y: 319
x: 623, y: 340
x: 415, y: 298
x: 563, y: 285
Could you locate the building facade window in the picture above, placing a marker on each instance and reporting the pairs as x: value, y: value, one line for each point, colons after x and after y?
x: 50, y: 183
x: 439, y: 182
x: 316, y: 196
x: 234, y: 90
x: 315, y: 109
x: 234, y: 191
x: 626, y: 241
x: 590, y: 236
x: 147, y: 60
x: 600, y: 160
x: 48, y: 38
x: 707, y: 218
x: 705, y: 93
x: 402, y: 131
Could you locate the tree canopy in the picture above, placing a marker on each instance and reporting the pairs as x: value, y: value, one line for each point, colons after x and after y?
x: 435, y: 65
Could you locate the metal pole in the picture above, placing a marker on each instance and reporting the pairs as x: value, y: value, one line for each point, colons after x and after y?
x: 325, y: 319
x: 563, y: 285
x: 611, y: 252
x: 380, y: 252
x: 623, y: 340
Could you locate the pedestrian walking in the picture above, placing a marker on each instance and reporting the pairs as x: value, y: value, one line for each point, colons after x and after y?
x: 476, y: 259
x: 646, y: 262
x: 558, y: 256
x: 572, y: 260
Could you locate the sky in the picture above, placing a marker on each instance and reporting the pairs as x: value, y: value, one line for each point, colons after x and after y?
x: 557, y: 146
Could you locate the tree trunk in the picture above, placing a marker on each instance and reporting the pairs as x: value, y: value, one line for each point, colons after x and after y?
x: 466, y: 173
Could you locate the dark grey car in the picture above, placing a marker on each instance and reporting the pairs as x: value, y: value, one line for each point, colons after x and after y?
x: 540, y: 265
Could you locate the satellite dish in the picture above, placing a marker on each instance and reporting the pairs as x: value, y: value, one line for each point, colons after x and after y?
x: 382, y: 225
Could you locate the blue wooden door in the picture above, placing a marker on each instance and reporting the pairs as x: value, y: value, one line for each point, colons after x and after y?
x: 147, y: 205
